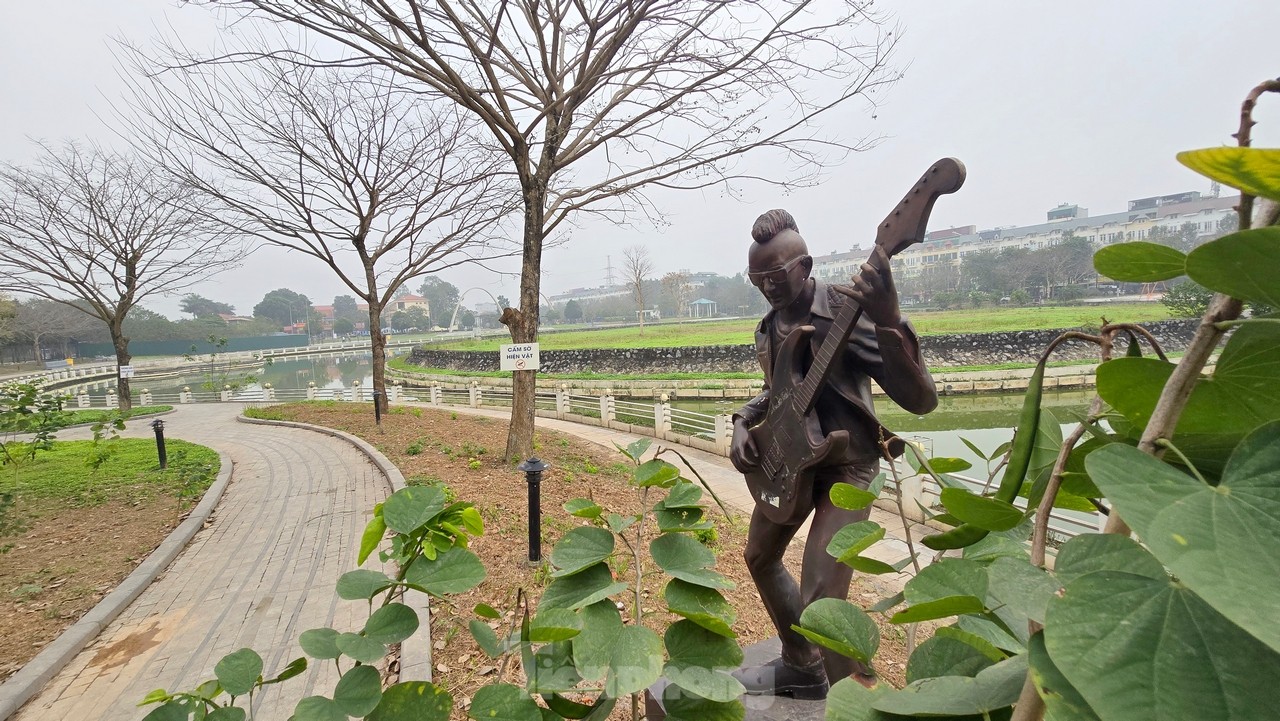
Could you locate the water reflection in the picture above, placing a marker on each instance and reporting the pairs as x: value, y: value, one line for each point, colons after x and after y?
x: 985, y: 420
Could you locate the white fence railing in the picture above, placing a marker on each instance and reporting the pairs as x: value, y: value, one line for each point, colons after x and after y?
x: 708, y: 432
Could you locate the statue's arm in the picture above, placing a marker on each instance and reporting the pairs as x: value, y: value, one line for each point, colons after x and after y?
x: 902, y: 372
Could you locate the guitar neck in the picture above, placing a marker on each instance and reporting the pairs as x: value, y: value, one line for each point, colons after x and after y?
x: 902, y: 228
x: 842, y: 327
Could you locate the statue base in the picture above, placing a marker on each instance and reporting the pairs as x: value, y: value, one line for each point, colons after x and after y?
x: 759, y: 708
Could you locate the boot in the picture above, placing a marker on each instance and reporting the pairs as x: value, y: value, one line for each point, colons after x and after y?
x: 777, y: 678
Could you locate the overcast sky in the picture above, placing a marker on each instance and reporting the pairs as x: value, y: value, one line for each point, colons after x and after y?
x: 1044, y: 102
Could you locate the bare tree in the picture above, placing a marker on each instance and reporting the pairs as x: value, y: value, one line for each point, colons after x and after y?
x: 380, y: 185
x: 596, y: 101
x: 102, y: 232
x: 637, y: 266
x: 39, y: 319
x: 677, y: 288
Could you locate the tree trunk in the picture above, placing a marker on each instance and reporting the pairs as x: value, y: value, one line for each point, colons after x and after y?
x: 377, y: 344
x: 523, y: 324
x: 35, y: 347
x: 121, y: 344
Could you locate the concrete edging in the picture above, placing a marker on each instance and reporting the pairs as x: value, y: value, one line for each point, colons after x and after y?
x: 31, y: 678
x: 415, y: 651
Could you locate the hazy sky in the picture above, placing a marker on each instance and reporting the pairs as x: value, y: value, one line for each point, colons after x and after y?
x: 1044, y: 102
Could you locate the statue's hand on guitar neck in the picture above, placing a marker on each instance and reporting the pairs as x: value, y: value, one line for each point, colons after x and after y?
x: 873, y: 289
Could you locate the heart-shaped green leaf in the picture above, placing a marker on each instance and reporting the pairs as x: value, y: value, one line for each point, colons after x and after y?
x: 1139, y: 262
x: 683, y: 495
x: 686, y: 559
x: 364, y: 650
x: 850, y: 497
x: 991, y: 514
x: 410, y: 507
x: 656, y: 472
x: 948, y: 587
x: 942, y: 656
x: 1255, y: 171
x: 991, y: 689
x: 704, y: 606
x: 318, y: 708
x: 840, y: 626
x: 454, y: 571
x: 503, y: 702
x: 554, y: 624
x: 1241, y: 265
x: 362, y: 584
x: 1106, y: 634
x: 238, y: 671
x: 853, y: 539
x: 635, y: 661
x: 684, y: 705
x: 1209, y: 536
x: 579, y: 549
x: 413, y: 701
x: 601, y: 625
x: 392, y: 623
x: 581, y: 589
x: 1024, y: 588
x: 553, y: 670
x: 358, y: 691
x: 320, y: 643
x: 584, y: 508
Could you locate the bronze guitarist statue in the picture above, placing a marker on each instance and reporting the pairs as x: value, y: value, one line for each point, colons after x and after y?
x: 819, y: 347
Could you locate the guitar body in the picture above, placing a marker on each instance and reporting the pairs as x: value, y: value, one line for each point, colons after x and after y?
x: 792, y: 446
x: 789, y: 439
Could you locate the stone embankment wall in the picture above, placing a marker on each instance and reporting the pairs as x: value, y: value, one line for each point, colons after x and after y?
x: 940, y: 351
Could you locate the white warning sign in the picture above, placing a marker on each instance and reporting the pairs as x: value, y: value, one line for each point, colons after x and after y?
x: 518, y: 357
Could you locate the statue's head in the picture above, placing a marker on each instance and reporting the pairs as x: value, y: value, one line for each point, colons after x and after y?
x: 778, y: 263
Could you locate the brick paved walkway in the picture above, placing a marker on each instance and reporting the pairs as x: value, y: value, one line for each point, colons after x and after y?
x: 259, y: 574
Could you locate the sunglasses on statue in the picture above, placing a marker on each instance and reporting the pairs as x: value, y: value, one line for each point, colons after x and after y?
x: 777, y: 276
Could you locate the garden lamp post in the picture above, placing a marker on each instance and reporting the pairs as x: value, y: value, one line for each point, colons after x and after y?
x: 158, y: 426
x: 533, y: 469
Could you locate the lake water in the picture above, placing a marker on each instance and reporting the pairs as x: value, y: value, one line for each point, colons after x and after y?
x: 986, y: 420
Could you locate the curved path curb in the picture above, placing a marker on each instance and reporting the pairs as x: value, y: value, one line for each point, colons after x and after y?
x: 31, y: 678
x: 415, y: 651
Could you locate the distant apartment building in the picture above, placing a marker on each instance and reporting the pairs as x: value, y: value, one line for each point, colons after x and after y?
x: 581, y: 294
x: 951, y: 245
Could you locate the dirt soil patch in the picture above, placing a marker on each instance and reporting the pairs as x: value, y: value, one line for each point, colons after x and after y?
x: 65, y: 562
x: 464, y: 452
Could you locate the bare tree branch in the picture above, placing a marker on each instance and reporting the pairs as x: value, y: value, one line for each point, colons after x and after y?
x: 102, y: 232
x: 380, y: 185
x: 594, y: 102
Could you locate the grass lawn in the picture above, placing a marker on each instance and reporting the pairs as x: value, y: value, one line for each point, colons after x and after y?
x: 739, y: 332
x: 131, y: 471
x: 74, y: 416
x: 399, y: 363
x: 74, y: 533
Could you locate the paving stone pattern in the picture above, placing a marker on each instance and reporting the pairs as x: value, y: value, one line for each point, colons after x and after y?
x: 261, y: 572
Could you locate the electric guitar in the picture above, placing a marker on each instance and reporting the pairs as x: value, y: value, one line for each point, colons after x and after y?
x: 790, y: 439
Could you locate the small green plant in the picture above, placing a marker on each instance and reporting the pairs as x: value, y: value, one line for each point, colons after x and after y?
x: 26, y: 410
x: 220, y: 374
x: 578, y: 654
x: 707, y: 536
x: 434, y: 481
x: 472, y: 449
x: 414, y: 448
x: 474, y: 464
x: 426, y: 540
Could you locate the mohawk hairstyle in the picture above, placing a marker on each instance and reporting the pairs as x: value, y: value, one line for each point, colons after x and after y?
x: 771, y: 223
